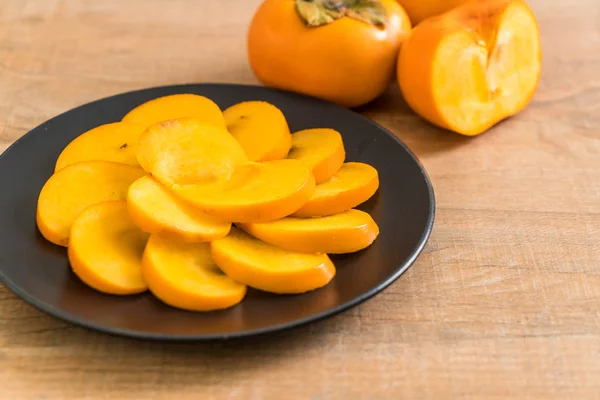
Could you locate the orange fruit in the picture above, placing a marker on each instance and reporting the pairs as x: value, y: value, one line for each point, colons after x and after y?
x: 322, y: 150
x: 106, y: 249
x: 472, y: 67
x: 184, y: 275
x: 270, y: 268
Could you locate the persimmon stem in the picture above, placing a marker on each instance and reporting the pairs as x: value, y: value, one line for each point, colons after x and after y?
x: 322, y: 12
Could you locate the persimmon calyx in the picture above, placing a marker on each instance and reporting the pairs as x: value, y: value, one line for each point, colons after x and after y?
x: 322, y: 12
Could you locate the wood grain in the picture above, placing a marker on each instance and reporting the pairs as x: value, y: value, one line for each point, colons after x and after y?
x: 503, y: 303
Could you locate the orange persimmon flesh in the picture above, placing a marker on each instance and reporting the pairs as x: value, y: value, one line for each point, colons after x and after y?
x: 347, y: 232
x: 106, y: 249
x: 176, y: 106
x: 155, y: 209
x: 77, y: 186
x: 472, y: 67
x: 270, y: 268
x: 353, y: 184
x: 255, y: 192
x: 322, y: 149
x: 115, y: 142
x: 187, y: 151
x: 261, y: 129
x: 184, y: 275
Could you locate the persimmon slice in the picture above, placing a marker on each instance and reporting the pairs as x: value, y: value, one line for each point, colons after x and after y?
x: 154, y: 208
x: 353, y: 184
x: 176, y: 106
x: 106, y: 249
x: 184, y: 275
x: 75, y: 187
x: 346, y: 232
x: 186, y: 151
x: 115, y: 142
x: 261, y: 129
x: 322, y: 149
x: 255, y: 192
x: 270, y: 268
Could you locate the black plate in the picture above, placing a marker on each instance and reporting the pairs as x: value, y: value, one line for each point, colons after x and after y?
x: 38, y: 271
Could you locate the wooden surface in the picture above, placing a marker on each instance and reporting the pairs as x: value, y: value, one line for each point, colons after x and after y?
x: 503, y: 303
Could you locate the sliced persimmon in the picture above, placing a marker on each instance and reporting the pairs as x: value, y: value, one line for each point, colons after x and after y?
x: 106, y: 249
x: 115, y: 142
x: 187, y: 151
x: 261, y: 129
x: 176, y: 106
x: 322, y: 149
x: 155, y: 209
x: 353, y: 184
x: 77, y: 186
x: 473, y: 66
x: 255, y: 192
x: 270, y: 268
x: 345, y: 232
x: 183, y: 275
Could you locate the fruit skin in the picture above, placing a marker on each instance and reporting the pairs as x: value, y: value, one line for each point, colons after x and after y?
x: 348, y: 62
x: 114, y: 142
x: 353, y: 184
x: 106, y: 249
x: 256, y: 192
x: 261, y: 129
x: 270, y: 268
x: 155, y: 209
x: 472, y: 67
x: 418, y: 10
x: 346, y: 232
x: 321, y: 149
x: 74, y: 188
x: 184, y: 275
x: 176, y: 106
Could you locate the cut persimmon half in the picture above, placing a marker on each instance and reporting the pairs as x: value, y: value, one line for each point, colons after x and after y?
x: 270, y: 268
x: 155, y: 209
x: 76, y: 187
x: 261, y: 129
x: 184, y: 275
x: 321, y: 149
x: 255, y: 192
x: 346, y: 232
x: 472, y: 67
x: 353, y: 184
x: 106, y: 249
x: 176, y: 106
x: 187, y: 151
x: 114, y: 142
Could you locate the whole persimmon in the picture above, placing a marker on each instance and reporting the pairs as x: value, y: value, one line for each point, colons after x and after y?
x: 343, y: 51
x: 470, y: 68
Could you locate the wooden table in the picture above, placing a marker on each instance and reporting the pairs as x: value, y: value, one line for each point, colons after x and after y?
x: 504, y: 301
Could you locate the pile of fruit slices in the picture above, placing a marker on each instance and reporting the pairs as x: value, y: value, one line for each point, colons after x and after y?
x: 148, y: 203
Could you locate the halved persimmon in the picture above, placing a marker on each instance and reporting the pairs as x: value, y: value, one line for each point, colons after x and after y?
x: 261, y: 129
x: 106, y: 249
x: 155, y: 209
x: 322, y: 149
x: 76, y: 187
x: 270, y: 268
x: 255, y: 192
x: 472, y: 67
x: 176, y: 106
x: 185, y: 276
x: 346, y: 232
x: 115, y: 142
x: 186, y: 151
x: 353, y: 184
